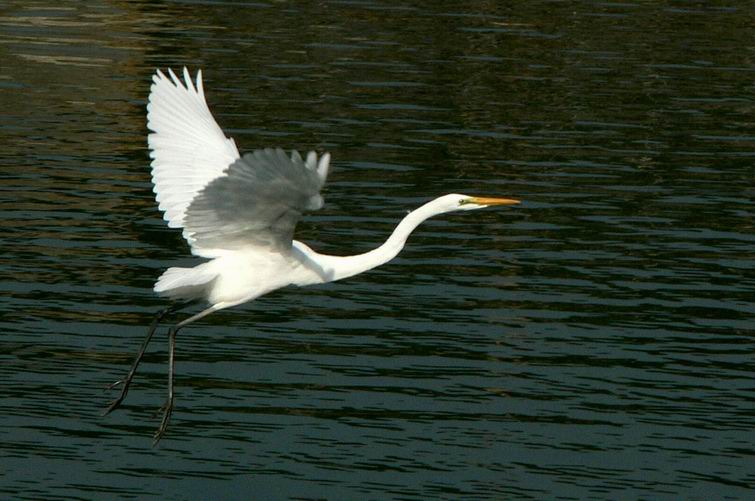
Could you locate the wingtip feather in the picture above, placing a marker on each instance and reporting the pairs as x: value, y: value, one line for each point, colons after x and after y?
x: 323, y: 166
x: 188, y: 81
x: 173, y: 77
x: 200, y: 86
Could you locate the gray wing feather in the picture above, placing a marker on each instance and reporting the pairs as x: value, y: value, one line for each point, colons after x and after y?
x: 257, y: 202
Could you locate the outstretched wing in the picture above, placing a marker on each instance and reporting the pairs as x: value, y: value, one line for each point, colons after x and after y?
x: 187, y: 147
x: 256, y: 203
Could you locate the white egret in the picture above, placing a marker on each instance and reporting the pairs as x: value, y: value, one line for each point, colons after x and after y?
x: 239, y: 211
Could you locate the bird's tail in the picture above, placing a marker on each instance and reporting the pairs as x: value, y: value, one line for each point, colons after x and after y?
x: 185, y: 283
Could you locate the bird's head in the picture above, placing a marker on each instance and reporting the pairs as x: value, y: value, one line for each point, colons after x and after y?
x: 455, y: 201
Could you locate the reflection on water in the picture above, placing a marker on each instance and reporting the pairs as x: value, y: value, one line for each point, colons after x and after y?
x: 596, y: 340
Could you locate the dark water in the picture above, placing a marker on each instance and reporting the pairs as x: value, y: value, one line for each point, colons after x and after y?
x: 594, y: 343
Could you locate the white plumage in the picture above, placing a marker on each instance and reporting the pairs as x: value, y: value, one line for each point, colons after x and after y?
x: 241, y: 212
x: 187, y: 147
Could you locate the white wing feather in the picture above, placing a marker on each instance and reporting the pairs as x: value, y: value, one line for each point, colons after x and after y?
x: 187, y: 147
x: 256, y: 203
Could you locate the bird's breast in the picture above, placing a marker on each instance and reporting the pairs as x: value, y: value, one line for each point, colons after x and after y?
x: 245, y: 275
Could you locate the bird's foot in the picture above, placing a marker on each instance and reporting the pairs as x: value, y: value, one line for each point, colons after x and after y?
x: 116, y: 402
x: 166, y: 409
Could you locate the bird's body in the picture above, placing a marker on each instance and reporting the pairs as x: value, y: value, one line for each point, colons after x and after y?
x: 239, y: 213
x: 240, y: 275
x: 232, y: 278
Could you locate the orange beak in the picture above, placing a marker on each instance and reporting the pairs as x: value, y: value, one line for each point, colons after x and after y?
x: 493, y: 201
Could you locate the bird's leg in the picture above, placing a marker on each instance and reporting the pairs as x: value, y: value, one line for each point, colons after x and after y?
x: 167, y: 407
x: 126, y: 382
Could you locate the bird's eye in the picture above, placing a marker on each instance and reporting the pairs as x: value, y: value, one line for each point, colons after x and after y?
x: 463, y: 201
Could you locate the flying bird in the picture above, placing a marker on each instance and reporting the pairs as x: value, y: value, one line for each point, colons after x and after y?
x: 239, y: 212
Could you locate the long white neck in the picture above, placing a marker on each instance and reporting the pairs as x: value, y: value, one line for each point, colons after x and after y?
x: 332, y: 268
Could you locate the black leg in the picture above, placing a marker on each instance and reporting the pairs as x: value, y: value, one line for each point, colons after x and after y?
x: 126, y: 382
x: 167, y: 408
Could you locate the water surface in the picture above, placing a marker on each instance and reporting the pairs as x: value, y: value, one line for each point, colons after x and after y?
x: 595, y: 342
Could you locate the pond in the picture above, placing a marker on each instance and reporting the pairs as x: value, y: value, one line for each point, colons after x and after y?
x: 594, y: 342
